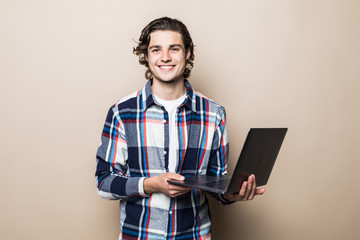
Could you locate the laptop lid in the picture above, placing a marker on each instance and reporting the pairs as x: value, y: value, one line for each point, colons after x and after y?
x: 258, y: 155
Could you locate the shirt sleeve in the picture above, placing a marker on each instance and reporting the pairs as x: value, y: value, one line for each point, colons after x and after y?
x: 219, y: 156
x: 112, y: 175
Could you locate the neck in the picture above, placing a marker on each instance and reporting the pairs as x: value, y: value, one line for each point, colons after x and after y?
x: 168, y: 90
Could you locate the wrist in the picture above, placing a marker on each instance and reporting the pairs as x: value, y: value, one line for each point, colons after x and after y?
x: 225, y: 198
x: 149, y: 185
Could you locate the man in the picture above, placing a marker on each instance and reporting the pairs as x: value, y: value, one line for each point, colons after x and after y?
x: 164, y: 131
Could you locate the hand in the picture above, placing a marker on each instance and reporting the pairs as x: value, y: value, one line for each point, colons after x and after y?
x: 247, y: 192
x: 159, y: 184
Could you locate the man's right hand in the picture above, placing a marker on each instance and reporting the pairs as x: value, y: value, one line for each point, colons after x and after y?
x: 159, y: 184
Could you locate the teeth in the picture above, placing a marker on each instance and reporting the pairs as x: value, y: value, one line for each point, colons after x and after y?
x: 166, y: 67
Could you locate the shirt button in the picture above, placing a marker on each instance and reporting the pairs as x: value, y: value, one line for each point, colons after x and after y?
x: 165, y: 152
x: 164, y: 120
x: 170, y: 212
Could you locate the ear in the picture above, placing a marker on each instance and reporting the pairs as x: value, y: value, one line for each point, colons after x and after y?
x: 188, y: 54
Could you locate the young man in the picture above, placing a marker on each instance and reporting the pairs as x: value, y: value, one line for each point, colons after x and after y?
x: 164, y: 131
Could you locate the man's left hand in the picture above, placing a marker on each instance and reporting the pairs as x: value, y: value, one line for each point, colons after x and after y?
x: 247, y: 192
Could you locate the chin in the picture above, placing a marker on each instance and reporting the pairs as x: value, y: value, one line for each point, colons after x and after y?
x: 169, y: 80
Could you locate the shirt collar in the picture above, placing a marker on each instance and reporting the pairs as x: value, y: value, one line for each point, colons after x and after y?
x: 190, y: 100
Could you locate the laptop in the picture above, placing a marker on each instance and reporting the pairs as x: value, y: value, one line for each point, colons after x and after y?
x: 258, y: 155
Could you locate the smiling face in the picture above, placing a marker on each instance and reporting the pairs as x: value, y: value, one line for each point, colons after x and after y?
x: 167, y: 56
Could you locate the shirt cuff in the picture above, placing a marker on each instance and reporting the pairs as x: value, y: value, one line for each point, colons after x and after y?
x: 135, y: 187
x: 223, y: 200
x: 141, y: 187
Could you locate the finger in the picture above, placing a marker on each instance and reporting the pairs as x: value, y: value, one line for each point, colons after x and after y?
x: 249, y: 187
x: 253, y: 189
x: 177, y: 188
x: 242, y: 190
x: 174, y: 191
x: 178, y: 191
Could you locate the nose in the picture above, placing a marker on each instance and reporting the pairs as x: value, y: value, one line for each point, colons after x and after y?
x: 165, y: 57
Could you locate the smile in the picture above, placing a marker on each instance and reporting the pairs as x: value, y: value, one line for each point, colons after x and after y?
x: 166, y: 67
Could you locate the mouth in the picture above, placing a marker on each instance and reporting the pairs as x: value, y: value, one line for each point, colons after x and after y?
x: 166, y: 67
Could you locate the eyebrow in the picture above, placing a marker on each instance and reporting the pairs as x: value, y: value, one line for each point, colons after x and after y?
x: 171, y: 46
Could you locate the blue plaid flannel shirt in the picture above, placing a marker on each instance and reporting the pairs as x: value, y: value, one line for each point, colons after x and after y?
x: 134, y: 146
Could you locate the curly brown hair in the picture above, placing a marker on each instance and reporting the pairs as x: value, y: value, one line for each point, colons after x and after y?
x: 163, y: 24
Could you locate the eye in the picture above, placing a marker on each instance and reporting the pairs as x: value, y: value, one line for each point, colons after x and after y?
x: 155, y: 50
x: 175, y: 49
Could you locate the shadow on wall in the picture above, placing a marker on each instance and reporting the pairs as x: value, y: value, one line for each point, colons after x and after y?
x: 235, y: 218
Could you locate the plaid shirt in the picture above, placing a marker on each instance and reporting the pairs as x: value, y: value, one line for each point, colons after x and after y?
x: 134, y: 146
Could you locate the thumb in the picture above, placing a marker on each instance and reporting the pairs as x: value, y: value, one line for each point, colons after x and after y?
x: 175, y: 176
x: 260, y: 191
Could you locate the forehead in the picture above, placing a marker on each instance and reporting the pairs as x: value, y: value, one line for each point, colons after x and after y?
x: 165, y: 38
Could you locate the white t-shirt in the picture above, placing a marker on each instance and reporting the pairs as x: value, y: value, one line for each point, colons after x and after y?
x: 171, y: 107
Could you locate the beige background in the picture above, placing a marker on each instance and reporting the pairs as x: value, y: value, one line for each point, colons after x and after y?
x: 276, y: 63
